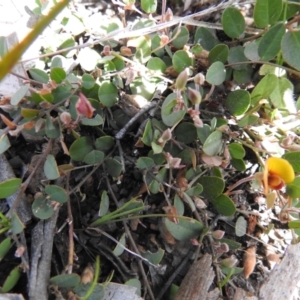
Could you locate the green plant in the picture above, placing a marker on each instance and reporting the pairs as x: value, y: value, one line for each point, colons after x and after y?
x: 190, y: 148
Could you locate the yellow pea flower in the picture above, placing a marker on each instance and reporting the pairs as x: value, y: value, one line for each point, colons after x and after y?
x: 277, y: 173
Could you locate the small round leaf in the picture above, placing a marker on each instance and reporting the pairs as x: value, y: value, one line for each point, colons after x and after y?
x: 233, y: 22
x: 238, y: 102
x: 56, y: 193
x: 224, y: 205
x: 80, y: 148
x: 216, y: 73
x: 50, y: 168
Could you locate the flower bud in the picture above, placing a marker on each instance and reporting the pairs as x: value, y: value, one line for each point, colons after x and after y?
x: 84, y: 107
x: 218, y: 234
x: 106, y: 50
x: 126, y: 51
x: 166, y: 136
x: 65, y: 118
x: 199, y: 79
x: 164, y: 40
x: 194, y: 96
x: 169, y: 14
x: 182, y: 80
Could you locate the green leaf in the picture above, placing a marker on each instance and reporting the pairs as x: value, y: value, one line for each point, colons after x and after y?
x: 52, y: 128
x: 149, y: 6
x: 19, y: 94
x: 281, y: 95
x: 156, y: 64
x: 236, y: 150
x: 238, y: 164
x: 186, y: 132
x: 181, y: 60
x: 212, y: 186
x: 119, y: 249
x: 80, y: 148
x: 56, y: 193
x: 29, y: 113
x: 148, y: 134
x: 270, y: 43
x: 154, y: 258
x: 57, y: 61
x: 247, y: 120
x: 237, y: 55
x: 144, y: 163
x: 42, y: 208
x: 224, y: 205
x: 96, y: 121
x: 251, y: 50
x: 196, y: 190
x: 143, y: 48
x: 65, y: 280
x: 16, y: 224
x: 114, y: 167
x: 70, y: 42
x: 182, y: 38
x: 11, y: 280
x: 58, y: 75
x: 94, y: 157
x: 178, y: 203
x: 205, y: 38
x: 108, y: 94
x: 233, y: 245
x: 290, y: 46
x: 218, y: 53
x: 39, y: 75
x: 4, y: 143
x: 295, y: 224
x: 88, y: 81
x: 50, y: 168
x: 264, y: 88
x: 267, y: 12
x: 203, y: 133
x: 4, y: 247
x: 155, y: 185
x: 185, y: 229
x: 216, y: 73
x: 104, y: 143
x: 213, y: 144
x: 104, y: 204
x: 8, y: 187
x: 169, y: 116
x: 238, y: 102
x: 294, y: 159
x: 293, y: 189
x: 241, y: 226
x: 233, y: 22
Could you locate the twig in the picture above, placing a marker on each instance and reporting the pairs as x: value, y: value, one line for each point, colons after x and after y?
x: 144, y: 109
x: 173, y: 276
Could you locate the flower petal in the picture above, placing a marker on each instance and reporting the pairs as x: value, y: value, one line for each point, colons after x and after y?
x: 275, y: 182
x: 280, y: 167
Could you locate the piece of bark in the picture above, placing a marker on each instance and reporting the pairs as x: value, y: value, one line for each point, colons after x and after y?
x: 197, y: 281
x: 23, y: 209
x: 41, y: 252
x: 284, y: 280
